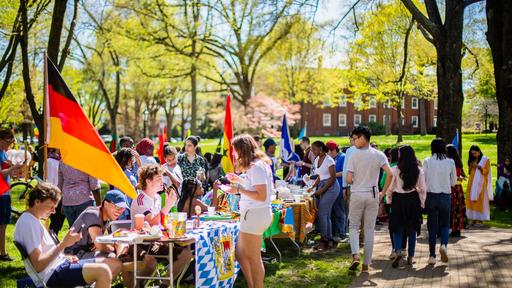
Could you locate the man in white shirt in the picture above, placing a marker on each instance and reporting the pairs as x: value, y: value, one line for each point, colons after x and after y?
x: 51, y: 265
x: 363, y: 170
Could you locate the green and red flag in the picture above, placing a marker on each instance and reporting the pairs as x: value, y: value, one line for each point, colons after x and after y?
x: 227, y: 149
x: 69, y: 129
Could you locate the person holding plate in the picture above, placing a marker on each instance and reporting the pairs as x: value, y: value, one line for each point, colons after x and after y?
x: 255, y: 188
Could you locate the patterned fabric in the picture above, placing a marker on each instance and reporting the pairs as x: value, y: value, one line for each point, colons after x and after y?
x: 459, y: 220
x: 215, y: 254
x: 189, y: 169
x: 76, y: 186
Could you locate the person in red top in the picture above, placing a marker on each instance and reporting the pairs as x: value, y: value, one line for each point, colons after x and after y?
x: 458, y: 218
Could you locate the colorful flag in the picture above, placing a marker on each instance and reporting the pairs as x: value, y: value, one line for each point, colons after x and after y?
x: 162, y: 137
x: 227, y: 149
x: 4, y: 186
x: 80, y: 144
x: 285, y: 147
x: 455, y: 141
x: 302, y: 133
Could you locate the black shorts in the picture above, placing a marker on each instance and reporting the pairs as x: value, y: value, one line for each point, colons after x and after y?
x: 69, y: 274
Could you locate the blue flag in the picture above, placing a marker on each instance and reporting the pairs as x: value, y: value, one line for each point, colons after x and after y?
x: 285, y: 147
x: 455, y: 141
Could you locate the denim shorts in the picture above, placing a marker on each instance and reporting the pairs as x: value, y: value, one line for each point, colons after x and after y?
x: 69, y: 274
x: 5, y: 209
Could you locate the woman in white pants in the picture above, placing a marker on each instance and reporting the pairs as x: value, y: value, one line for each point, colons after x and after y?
x: 254, y: 187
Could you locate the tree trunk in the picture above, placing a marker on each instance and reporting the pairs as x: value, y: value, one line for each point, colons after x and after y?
x: 399, y: 137
x: 193, y: 100
x: 59, y: 9
x: 499, y: 36
x: 423, y: 117
x: 449, y: 75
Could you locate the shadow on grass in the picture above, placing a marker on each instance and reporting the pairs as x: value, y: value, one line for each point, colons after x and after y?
x: 311, y: 268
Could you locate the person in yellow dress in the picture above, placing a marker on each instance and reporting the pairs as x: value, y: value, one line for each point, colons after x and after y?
x: 479, y: 190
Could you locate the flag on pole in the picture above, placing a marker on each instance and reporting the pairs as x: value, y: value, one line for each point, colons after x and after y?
x: 455, y: 141
x: 285, y: 147
x: 302, y: 133
x: 227, y: 150
x: 68, y: 129
x: 161, y: 140
x: 4, y: 186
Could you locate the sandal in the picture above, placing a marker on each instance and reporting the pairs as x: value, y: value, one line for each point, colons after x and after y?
x: 355, y: 263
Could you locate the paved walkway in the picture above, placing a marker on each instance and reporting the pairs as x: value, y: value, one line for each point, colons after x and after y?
x: 482, y: 257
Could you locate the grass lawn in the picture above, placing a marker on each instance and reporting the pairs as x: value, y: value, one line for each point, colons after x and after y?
x: 310, y: 269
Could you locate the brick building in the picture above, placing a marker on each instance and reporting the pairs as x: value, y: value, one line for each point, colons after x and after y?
x: 340, y: 119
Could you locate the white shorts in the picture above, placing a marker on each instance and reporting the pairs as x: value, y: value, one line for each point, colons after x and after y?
x: 255, y: 220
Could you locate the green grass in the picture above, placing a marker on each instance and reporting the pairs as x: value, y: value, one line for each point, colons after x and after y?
x: 310, y: 269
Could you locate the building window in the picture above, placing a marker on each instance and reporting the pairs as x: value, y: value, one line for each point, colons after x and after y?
x: 435, y: 105
x: 384, y: 120
x: 372, y: 118
x: 326, y: 120
x: 373, y: 102
x: 343, y: 101
x: 403, y: 103
x: 434, y: 122
x: 414, y: 121
x: 414, y: 103
x: 357, y: 119
x: 342, y: 120
x: 403, y: 121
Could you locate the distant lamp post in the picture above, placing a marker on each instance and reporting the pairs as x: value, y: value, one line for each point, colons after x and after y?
x: 145, y: 115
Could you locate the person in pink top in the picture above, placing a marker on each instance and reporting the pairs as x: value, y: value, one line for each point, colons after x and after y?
x: 406, y: 194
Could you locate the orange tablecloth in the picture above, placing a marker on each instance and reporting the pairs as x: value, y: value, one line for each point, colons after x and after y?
x: 303, y: 213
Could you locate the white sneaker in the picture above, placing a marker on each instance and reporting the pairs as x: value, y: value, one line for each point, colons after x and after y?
x: 432, y: 261
x: 444, y: 253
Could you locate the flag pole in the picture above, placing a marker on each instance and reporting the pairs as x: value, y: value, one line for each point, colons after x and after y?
x: 45, y: 119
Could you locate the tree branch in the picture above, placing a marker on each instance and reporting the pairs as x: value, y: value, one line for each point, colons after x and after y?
x: 422, y: 20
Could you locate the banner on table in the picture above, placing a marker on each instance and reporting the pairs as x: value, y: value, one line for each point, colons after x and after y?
x: 68, y: 129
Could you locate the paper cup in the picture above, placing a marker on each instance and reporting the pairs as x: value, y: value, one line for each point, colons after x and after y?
x: 138, y: 221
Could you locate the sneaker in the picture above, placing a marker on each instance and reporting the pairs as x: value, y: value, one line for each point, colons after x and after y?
x: 336, y: 239
x: 396, y: 261
x: 365, y: 269
x: 432, y: 260
x: 6, y: 258
x: 392, y: 255
x: 444, y: 253
x: 355, y: 263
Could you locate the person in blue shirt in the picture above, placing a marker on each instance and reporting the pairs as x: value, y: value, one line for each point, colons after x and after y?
x: 270, y: 150
x: 339, y: 214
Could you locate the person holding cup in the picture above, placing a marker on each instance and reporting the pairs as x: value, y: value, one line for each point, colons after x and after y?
x: 255, y: 188
x: 192, y: 164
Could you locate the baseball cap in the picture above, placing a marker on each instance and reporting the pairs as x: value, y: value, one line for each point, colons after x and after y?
x: 331, y: 145
x: 117, y: 197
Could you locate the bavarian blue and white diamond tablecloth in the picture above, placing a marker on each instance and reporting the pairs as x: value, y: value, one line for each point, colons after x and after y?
x: 215, y: 253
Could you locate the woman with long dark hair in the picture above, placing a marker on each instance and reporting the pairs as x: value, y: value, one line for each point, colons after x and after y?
x: 406, y: 194
x: 255, y: 188
x: 459, y: 220
x: 440, y: 176
x: 192, y: 164
x: 191, y: 191
x: 479, y: 186
x: 327, y: 190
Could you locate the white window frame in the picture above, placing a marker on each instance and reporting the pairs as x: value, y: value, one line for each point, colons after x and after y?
x: 403, y: 121
x: 342, y: 120
x: 435, y: 105
x: 414, y: 103
x: 374, y: 118
x: 434, y: 121
x: 384, y: 119
x: 373, y: 102
x: 356, y: 116
x: 403, y: 103
x: 343, y: 101
x: 326, y: 120
x: 415, y: 121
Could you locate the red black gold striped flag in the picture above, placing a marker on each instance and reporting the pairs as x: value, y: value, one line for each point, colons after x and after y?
x: 68, y: 129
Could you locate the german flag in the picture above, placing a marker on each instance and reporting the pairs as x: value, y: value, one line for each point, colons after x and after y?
x: 68, y: 129
x: 227, y: 148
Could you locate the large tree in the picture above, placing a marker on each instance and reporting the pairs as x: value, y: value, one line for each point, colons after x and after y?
x: 446, y: 36
x: 499, y: 36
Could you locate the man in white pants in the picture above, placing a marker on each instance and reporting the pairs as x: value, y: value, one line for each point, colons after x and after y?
x: 363, y: 169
